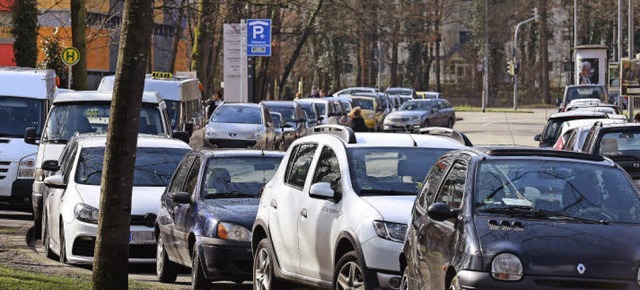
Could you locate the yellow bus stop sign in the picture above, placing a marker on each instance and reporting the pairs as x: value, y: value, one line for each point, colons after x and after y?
x: 70, y: 56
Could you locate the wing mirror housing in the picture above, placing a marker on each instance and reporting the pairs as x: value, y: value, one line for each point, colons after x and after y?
x: 30, y: 135
x: 55, y: 181
x: 181, y: 198
x: 50, y: 165
x: 322, y: 190
x: 537, y: 137
x: 182, y: 136
x: 440, y: 212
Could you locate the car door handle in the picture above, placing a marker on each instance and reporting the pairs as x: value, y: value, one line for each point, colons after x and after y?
x: 274, y: 204
x: 303, y: 212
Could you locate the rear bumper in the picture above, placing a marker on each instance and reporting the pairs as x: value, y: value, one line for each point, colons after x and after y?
x: 483, y: 280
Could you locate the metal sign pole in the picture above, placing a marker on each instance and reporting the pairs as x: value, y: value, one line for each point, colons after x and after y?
x: 70, y: 76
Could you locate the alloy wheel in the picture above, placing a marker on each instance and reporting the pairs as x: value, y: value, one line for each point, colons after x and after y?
x: 159, y: 257
x: 350, y: 277
x: 262, y: 270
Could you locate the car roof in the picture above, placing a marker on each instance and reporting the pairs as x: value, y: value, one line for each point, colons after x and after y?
x: 249, y: 105
x: 585, y: 113
x: 537, y: 153
x: 241, y: 153
x: 424, y: 100
x: 25, y: 82
x: 313, y: 100
x: 154, y: 141
x: 169, y: 89
x: 279, y: 103
x: 619, y: 125
x: 101, y: 96
x: 573, y: 124
x: 585, y: 85
x: 404, y: 140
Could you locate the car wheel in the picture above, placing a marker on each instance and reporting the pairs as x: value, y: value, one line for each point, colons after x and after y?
x: 166, y: 270
x: 455, y: 284
x: 46, y: 241
x: 404, y: 282
x: 198, y: 280
x: 426, y: 124
x: 349, y: 273
x: 450, y: 123
x: 63, y: 247
x: 264, y: 277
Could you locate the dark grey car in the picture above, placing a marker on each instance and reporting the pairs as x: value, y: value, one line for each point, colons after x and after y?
x: 417, y: 114
x: 292, y: 112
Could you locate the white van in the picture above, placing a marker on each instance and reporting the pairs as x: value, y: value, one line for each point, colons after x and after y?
x: 25, y: 97
x: 85, y: 112
x: 181, y: 94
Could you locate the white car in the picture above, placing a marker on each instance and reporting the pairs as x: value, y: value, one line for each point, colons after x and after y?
x: 336, y: 211
x: 71, y: 208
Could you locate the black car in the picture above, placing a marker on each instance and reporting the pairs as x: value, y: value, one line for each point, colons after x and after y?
x: 207, y: 213
x: 551, y: 130
x: 620, y: 142
x: 498, y: 218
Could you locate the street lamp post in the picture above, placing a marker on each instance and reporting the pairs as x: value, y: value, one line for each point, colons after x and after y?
x: 515, y: 61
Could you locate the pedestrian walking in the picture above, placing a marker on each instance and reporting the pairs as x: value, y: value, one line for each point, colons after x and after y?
x: 315, y: 93
x: 214, y: 102
x: 322, y: 93
x: 357, y: 122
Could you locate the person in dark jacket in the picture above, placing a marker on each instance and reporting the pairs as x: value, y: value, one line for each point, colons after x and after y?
x: 214, y: 102
x: 357, y: 122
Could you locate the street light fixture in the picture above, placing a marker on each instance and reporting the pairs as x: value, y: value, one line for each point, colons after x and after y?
x: 515, y: 59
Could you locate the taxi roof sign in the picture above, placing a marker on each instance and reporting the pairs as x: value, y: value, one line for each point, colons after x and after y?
x: 161, y: 75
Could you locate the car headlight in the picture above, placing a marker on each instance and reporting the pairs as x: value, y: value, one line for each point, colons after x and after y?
x: 506, y: 267
x: 209, y: 132
x: 256, y: 135
x: 86, y: 213
x: 231, y: 231
x: 26, y: 167
x: 390, y: 231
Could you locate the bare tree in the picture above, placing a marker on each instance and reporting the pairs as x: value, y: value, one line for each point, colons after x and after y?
x: 112, y: 243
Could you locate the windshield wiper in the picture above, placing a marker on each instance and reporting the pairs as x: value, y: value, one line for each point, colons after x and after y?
x: 550, y: 213
x: 231, y: 194
x: 523, y: 210
x: 385, y: 192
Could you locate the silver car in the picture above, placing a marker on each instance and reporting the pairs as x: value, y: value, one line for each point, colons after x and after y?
x: 418, y: 113
x: 292, y: 112
x: 240, y: 125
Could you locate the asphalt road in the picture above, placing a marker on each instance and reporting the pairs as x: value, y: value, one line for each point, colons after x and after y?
x: 481, y: 128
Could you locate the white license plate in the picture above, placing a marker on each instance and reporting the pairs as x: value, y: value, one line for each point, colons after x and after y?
x: 142, y: 238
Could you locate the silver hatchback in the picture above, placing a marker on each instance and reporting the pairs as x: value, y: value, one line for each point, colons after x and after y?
x: 240, y: 125
x: 417, y: 114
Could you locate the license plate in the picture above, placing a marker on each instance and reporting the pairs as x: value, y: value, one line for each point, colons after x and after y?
x: 142, y: 238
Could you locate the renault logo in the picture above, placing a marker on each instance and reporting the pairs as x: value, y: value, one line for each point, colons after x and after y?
x: 636, y: 165
x: 581, y: 268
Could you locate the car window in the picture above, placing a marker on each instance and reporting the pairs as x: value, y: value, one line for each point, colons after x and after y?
x: 192, y: 178
x: 299, y: 164
x: 452, y: 189
x: 181, y: 173
x: 365, y: 104
x: 432, y: 182
x: 571, y: 142
x: 238, y: 176
x: 587, y: 140
x: 237, y: 114
x: 67, y: 164
x: 328, y: 169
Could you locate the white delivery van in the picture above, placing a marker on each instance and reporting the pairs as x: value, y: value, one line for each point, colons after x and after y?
x: 181, y: 94
x: 86, y: 112
x: 25, y: 97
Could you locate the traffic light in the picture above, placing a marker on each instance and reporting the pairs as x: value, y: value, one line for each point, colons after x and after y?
x: 510, y: 68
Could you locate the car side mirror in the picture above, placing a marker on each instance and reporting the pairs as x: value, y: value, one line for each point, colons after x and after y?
x: 30, y: 135
x: 55, y: 181
x: 50, y: 165
x: 181, y: 135
x: 537, y: 137
x: 181, y: 197
x: 321, y: 190
x: 440, y: 212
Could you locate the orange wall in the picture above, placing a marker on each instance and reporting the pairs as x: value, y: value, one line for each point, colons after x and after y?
x: 97, y: 46
x: 92, y: 5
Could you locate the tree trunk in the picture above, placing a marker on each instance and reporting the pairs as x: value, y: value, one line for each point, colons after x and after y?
x: 544, y: 53
x: 298, y: 49
x: 394, y: 63
x: 176, y: 37
x: 201, y: 48
x: 79, y: 41
x: 110, y: 269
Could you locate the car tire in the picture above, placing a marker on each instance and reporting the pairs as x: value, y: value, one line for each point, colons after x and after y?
x: 166, y: 270
x: 349, y: 273
x: 198, y: 280
x: 455, y: 284
x: 404, y: 281
x: 264, y: 277
x: 63, y: 247
x: 46, y: 241
x: 450, y: 123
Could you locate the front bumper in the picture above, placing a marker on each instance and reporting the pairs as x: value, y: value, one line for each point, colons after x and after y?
x: 229, y: 143
x: 394, y: 127
x: 483, y: 280
x: 80, y: 238
x: 226, y: 260
x: 381, y: 257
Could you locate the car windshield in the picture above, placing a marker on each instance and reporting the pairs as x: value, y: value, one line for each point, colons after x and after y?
x: 237, y: 114
x: 227, y: 177
x: 346, y: 105
x: 322, y: 107
x: 309, y: 109
x: 173, y: 109
x: 574, y: 93
x: 621, y: 143
x: 288, y: 112
x: 153, y: 167
x: 16, y: 114
x: 562, y: 189
x: 68, y: 118
x: 399, y: 92
x: 416, y: 106
x: 365, y: 104
x: 390, y: 170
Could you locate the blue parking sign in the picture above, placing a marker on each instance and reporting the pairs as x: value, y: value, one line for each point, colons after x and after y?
x: 259, y: 37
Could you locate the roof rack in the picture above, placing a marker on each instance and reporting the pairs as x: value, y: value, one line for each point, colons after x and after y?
x: 445, y: 132
x: 543, y: 153
x: 342, y: 132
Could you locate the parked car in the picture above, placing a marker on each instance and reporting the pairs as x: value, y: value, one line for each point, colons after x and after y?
x: 484, y: 216
x: 619, y: 142
x: 335, y: 214
x: 417, y: 114
x: 573, y: 133
x: 354, y: 90
x: 71, y: 209
x: 551, y: 130
x: 344, y: 106
x: 284, y: 133
x: 401, y: 92
x: 292, y: 112
x: 240, y: 125
x: 581, y: 92
x: 372, y: 110
x: 313, y: 115
x: 326, y: 110
x: 206, y: 215
x: 428, y: 95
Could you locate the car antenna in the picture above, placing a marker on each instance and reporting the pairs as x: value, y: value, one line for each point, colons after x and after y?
x: 513, y: 140
x: 415, y: 144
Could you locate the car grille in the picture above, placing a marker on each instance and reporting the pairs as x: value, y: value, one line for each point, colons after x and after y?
x: 578, y: 284
x: 230, y: 143
x: 4, y: 168
x: 84, y: 246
